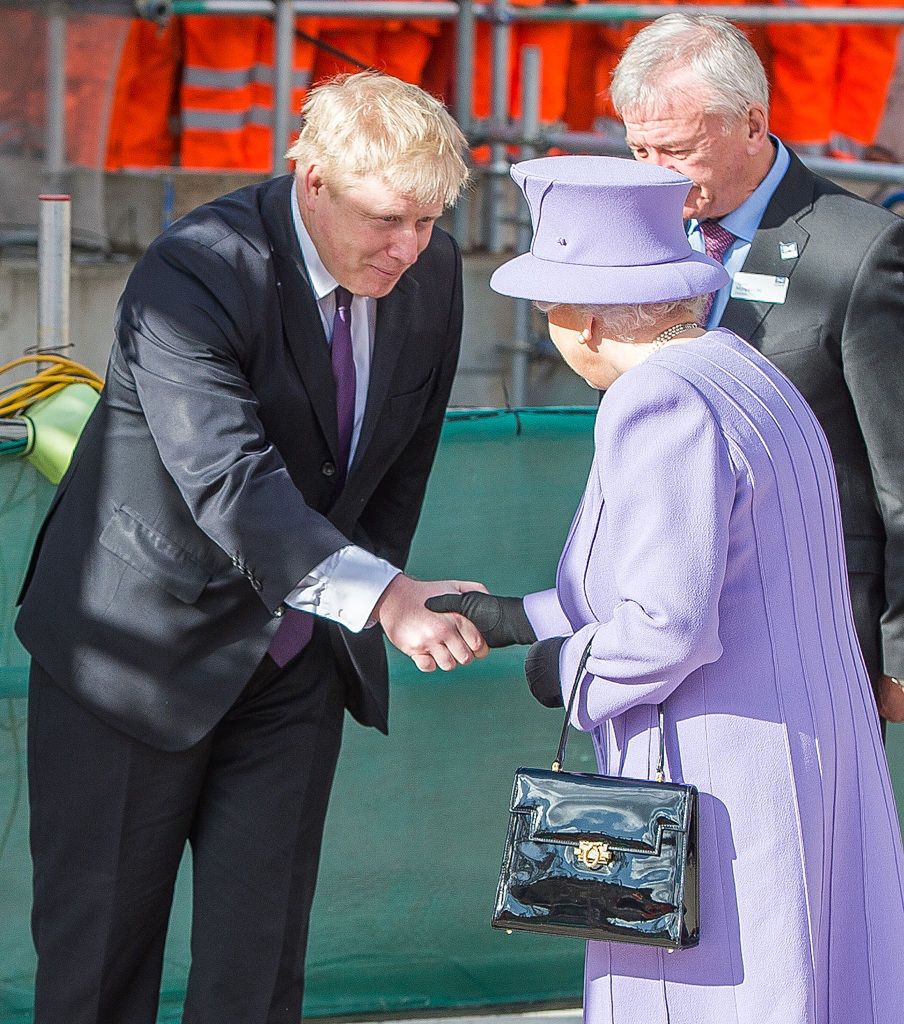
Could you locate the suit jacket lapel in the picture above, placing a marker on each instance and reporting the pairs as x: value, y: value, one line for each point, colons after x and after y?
x: 790, y: 203
x: 392, y: 328
x: 302, y: 325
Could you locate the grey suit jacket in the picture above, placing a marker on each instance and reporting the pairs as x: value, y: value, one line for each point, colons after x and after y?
x: 839, y: 337
x: 204, y: 487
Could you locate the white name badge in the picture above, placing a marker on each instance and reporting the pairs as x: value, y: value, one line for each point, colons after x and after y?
x: 759, y: 287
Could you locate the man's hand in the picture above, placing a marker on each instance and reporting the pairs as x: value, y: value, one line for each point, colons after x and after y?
x: 891, y: 699
x: 428, y: 638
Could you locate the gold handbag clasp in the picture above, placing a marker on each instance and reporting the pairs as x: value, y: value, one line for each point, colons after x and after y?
x: 594, y: 855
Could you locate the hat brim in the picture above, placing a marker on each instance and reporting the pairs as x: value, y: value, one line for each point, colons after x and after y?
x: 527, y: 277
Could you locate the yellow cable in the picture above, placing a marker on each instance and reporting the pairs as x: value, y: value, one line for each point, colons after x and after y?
x: 45, y: 382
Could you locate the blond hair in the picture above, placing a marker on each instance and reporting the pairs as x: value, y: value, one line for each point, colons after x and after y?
x: 370, y: 123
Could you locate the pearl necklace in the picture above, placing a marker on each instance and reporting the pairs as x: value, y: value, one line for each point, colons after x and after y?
x: 667, y: 335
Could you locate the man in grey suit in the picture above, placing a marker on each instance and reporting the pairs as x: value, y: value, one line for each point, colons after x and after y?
x: 233, y: 521
x: 817, y: 285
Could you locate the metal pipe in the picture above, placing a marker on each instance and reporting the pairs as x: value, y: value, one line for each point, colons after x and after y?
x: 283, y: 63
x: 448, y: 11
x: 498, y: 167
x: 445, y: 10
x: 733, y: 12
x: 54, y: 248
x: 55, y: 145
x: 530, y: 126
x: 464, y: 101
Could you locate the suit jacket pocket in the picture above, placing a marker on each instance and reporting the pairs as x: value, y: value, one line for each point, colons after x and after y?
x: 159, y: 559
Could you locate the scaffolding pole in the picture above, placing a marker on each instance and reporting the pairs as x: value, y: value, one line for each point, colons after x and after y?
x: 530, y: 124
x: 54, y: 254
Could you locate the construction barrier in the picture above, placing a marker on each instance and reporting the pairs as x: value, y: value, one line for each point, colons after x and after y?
x: 417, y: 821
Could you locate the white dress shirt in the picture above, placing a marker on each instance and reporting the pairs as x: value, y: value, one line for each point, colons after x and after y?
x: 346, y: 586
x: 743, y: 223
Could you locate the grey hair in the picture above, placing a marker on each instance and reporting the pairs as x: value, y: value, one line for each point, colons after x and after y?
x: 717, y: 53
x: 623, y: 321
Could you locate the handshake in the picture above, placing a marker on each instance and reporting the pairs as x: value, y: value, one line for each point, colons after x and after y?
x: 447, y: 623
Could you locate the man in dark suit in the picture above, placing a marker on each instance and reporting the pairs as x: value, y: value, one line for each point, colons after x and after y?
x: 817, y: 286
x: 233, y: 521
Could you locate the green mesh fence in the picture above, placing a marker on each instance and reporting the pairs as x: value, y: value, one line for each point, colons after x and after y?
x: 416, y: 825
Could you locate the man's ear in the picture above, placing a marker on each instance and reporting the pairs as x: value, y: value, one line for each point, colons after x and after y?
x: 310, y: 184
x: 757, y: 128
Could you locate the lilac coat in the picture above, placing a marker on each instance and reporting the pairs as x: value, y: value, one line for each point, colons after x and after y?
x: 706, y: 562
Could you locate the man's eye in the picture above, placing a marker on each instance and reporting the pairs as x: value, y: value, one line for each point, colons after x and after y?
x: 638, y: 151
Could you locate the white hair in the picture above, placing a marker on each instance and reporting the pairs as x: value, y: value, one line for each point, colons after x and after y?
x: 717, y: 53
x: 368, y: 123
x: 623, y: 321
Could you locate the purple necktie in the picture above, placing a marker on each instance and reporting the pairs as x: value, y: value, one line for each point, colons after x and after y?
x: 296, y: 627
x: 343, y: 362
x: 717, y: 241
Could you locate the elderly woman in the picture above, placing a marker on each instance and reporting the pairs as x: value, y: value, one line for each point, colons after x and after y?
x: 705, y: 566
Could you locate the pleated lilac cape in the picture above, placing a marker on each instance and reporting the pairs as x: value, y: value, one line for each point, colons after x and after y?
x: 706, y: 562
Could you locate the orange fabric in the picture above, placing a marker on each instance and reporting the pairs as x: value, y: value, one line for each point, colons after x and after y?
x: 554, y: 41
x: 398, y: 48
x: 404, y: 53
x: 140, y: 133
x: 358, y: 37
x: 227, y: 89
x: 829, y: 79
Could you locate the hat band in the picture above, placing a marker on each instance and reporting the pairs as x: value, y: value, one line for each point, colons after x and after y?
x: 614, y: 266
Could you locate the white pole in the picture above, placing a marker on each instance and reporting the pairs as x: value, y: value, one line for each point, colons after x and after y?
x: 54, y: 251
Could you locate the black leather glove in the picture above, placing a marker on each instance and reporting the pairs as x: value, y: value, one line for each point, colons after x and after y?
x: 542, y: 671
x: 502, y: 621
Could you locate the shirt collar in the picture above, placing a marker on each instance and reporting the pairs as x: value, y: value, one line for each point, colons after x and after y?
x: 745, y: 220
x: 322, y: 281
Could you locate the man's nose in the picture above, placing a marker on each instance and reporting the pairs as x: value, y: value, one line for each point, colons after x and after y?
x: 404, y: 245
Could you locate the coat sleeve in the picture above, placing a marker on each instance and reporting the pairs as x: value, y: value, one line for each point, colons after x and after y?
x: 546, y: 615
x: 668, y: 485
x: 872, y: 346
x: 183, y: 327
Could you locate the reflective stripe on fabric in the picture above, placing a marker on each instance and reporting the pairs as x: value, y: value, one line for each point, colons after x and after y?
x: 259, y: 74
x: 223, y: 121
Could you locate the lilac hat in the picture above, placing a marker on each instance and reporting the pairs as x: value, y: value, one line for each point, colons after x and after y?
x: 607, y: 231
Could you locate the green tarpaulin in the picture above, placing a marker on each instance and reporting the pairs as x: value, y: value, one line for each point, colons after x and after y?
x: 417, y: 821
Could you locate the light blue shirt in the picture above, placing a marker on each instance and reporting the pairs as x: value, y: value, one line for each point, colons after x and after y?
x: 743, y: 223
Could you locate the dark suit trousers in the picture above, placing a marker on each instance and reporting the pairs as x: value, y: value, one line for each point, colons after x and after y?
x: 867, y: 605
x: 110, y: 817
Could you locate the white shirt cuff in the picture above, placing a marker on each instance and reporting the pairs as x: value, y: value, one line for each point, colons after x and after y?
x: 344, y: 587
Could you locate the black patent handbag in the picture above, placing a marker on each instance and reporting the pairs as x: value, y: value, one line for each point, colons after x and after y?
x: 601, y: 857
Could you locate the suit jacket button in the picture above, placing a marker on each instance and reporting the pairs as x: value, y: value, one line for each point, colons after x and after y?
x: 280, y: 611
x: 328, y: 468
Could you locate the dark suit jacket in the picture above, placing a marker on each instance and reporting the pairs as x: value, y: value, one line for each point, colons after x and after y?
x: 204, y: 487
x: 839, y: 336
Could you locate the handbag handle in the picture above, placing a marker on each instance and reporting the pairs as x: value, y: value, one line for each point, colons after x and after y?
x: 563, y: 741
